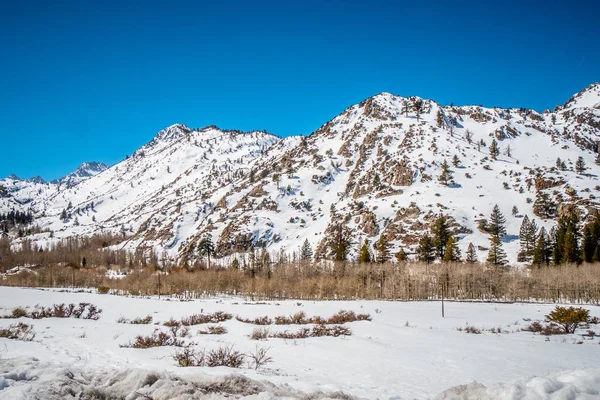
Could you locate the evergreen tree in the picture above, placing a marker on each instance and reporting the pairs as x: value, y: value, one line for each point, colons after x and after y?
x: 235, y: 264
x: 588, y: 244
x: 494, y: 150
x: 527, y: 237
x: 426, y: 249
x: 515, y: 211
x: 277, y: 179
x: 364, y: 254
x: 452, y: 253
x: 206, y: 248
x: 543, y: 206
x: 376, y: 181
x: 559, y: 163
x: 580, y: 165
x: 471, y: 255
x: 383, y: 250
x: 496, y: 255
x: 496, y: 226
x: 418, y: 107
x: 455, y: 161
x: 440, y: 119
x: 567, y: 239
x: 306, y: 252
x: 341, y: 242
x: 63, y: 215
x: 543, y: 250
x: 445, y: 177
x: 440, y: 233
x: 598, y: 159
x: 401, y: 255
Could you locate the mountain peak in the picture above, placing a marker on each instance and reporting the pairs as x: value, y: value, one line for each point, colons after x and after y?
x: 588, y: 97
x: 83, y: 172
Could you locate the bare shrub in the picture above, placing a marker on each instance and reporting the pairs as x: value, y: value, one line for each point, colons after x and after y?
x: 335, y: 331
x: 156, y: 339
x: 302, y: 333
x: 544, y: 329
x: 172, y: 322
x: 189, y: 358
x: 142, y: 320
x: 256, y: 321
x: 198, y: 319
x: 224, y: 356
x: 469, y: 329
x: 260, y: 334
x: 341, y: 317
x: 259, y: 357
x: 82, y: 311
x: 18, y: 312
x: 214, y: 330
x: 136, y: 321
x: 20, y: 331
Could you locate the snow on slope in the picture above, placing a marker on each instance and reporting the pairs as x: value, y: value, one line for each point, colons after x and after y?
x: 374, y: 168
x: 406, y: 352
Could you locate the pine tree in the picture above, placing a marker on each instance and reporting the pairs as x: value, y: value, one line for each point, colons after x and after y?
x: 559, y: 163
x: 277, y: 179
x: 401, y: 255
x: 418, y: 107
x: 63, y: 215
x: 588, y: 245
x: 496, y: 226
x: 496, y: 255
x: 440, y: 119
x: 364, y: 255
x: 543, y: 250
x: 543, y: 206
x: 455, y: 161
x: 494, y: 150
x: 508, y: 151
x: 515, y: 211
x: 235, y: 264
x: 471, y: 255
x: 376, y: 181
x: 426, y: 250
x: 452, y: 253
x: 340, y: 243
x: 580, y: 165
x: 206, y: 248
x: 306, y: 252
x: 440, y: 233
x: 383, y: 250
x: 445, y: 177
x: 598, y: 159
x: 527, y: 236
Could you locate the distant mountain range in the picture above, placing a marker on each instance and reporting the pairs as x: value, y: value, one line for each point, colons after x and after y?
x: 374, y: 168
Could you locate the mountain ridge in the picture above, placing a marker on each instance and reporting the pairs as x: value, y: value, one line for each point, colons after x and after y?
x: 373, y: 168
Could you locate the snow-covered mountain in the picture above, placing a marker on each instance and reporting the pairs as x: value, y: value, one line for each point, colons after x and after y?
x: 85, y: 171
x: 374, y: 168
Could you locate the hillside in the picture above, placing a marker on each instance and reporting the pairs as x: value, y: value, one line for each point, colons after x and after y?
x: 374, y: 168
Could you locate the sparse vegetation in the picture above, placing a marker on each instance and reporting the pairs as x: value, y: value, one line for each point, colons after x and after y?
x: 20, y: 331
x: 80, y: 311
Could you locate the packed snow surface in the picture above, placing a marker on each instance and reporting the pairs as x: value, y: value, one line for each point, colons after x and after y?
x: 407, y: 351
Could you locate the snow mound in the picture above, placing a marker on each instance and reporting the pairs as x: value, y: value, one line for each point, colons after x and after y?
x: 32, y: 379
x: 568, y: 385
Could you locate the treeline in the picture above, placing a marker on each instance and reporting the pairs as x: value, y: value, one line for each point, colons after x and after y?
x: 14, y: 218
x: 340, y: 281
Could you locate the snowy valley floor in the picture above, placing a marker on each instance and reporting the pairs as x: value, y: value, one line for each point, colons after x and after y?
x: 407, y: 351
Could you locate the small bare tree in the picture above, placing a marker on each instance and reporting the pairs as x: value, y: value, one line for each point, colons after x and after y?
x: 259, y: 357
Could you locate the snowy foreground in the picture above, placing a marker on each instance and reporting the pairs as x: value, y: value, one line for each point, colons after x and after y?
x: 407, y: 351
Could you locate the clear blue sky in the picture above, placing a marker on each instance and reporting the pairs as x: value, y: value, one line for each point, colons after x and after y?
x: 94, y: 80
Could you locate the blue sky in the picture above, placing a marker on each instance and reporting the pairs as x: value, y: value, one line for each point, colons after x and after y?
x: 93, y: 81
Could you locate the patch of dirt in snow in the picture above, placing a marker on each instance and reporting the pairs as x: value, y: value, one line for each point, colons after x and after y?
x: 22, y: 379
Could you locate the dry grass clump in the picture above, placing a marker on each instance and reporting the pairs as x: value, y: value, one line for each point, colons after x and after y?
x: 136, y: 321
x: 20, y: 331
x: 159, y: 338
x: 197, y: 319
x: 214, y: 330
x: 256, y: 321
x: 81, y: 311
x: 224, y: 356
x: 469, y: 329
